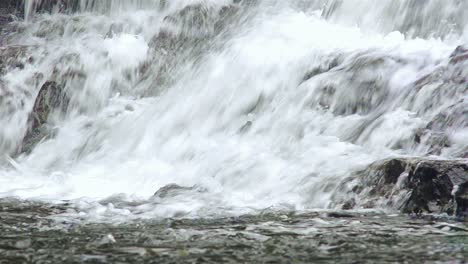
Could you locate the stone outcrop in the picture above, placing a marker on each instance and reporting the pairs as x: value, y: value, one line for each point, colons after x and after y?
x: 409, y: 185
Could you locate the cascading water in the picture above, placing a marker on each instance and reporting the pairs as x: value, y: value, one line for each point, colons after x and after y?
x: 255, y: 104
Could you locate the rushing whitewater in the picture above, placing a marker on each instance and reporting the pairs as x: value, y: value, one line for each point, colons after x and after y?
x: 254, y: 104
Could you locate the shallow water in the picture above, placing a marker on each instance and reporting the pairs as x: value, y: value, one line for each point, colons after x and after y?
x: 29, y: 235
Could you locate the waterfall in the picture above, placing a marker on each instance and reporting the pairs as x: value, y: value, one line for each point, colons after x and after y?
x: 248, y: 104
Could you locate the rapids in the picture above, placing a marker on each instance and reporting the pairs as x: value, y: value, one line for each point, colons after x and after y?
x: 257, y: 104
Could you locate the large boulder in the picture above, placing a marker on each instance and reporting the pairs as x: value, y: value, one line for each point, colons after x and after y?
x: 411, y: 185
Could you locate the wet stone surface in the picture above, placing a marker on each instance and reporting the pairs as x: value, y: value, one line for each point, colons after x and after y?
x: 29, y: 235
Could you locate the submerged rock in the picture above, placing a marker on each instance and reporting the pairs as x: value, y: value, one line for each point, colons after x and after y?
x: 409, y: 185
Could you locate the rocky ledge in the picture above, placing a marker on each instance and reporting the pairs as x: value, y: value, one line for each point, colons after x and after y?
x: 411, y: 185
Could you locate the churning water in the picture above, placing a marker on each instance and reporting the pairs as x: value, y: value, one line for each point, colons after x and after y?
x: 254, y: 104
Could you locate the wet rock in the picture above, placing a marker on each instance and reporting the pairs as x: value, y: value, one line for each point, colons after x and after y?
x: 460, y: 193
x: 13, y: 57
x: 172, y: 190
x: 435, y: 135
x: 325, y: 67
x: 411, y: 186
x: 52, y: 97
x: 191, y: 25
x: 5, y: 18
x: 199, y: 20
x: 183, y: 39
x: 10, y: 8
x: 338, y: 214
x: 10, y: 11
x: 431, y: 92
x: 366, y: 76
x: 453, y: 116
x: 51, y: 6
x: 434, y: 141
x: 460, y: 54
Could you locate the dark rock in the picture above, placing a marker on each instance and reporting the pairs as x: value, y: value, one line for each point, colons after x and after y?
x: 461, y: 198
x: 340, y: 215
x: 410, y: 185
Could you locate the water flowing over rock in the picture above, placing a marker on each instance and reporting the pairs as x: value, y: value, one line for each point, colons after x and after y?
x: 51, y: 97
x: 12, y: 57
x: 172, y: 190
